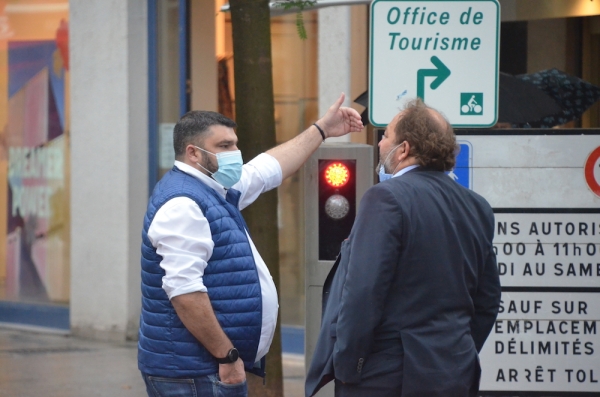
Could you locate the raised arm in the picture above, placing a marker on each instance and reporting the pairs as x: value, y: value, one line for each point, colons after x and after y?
x: 338, y: 121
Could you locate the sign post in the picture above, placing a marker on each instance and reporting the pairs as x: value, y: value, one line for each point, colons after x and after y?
x: 444, y: 52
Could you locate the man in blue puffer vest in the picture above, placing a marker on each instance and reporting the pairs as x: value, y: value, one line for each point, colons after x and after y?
x: 209, y: 304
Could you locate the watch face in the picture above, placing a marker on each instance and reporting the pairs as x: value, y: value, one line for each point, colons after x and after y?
x: 233, y: 355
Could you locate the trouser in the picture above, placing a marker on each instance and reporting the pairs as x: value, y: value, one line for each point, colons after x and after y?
x: 203, y: 386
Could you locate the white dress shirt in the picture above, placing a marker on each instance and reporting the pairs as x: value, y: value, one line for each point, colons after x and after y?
x: 181, y: 235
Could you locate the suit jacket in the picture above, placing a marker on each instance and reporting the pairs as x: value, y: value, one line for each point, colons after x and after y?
x: 417, y: 273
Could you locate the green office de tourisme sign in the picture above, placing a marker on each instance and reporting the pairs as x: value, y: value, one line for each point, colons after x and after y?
x: 445, y: 52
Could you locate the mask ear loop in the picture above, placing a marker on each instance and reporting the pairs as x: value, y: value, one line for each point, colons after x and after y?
x: 204, y: 150
x: 400, y: 162
x: 200, y: 165
x: 388, y: 156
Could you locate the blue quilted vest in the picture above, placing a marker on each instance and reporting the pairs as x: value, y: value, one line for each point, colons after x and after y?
x: 166, y: 348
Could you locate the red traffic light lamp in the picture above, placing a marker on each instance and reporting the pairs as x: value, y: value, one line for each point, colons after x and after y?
x: 337, y: 174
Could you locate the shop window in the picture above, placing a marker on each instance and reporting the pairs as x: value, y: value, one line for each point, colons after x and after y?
x: 34, y: 157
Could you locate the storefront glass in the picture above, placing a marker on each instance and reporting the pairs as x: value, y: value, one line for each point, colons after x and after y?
x: 168, y: 80
x: 34, y: 157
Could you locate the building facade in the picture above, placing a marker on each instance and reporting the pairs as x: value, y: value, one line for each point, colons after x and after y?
x: 89, y: 94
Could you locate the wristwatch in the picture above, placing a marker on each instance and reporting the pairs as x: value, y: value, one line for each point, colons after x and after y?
x: 231, y: 357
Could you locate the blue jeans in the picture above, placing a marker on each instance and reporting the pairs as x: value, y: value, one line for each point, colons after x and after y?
x: 204, y: 386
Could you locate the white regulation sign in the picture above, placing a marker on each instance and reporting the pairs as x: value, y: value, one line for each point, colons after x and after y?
x: 544, y: 341
x: 548, y: 249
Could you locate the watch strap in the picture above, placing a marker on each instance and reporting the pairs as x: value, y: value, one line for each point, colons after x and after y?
x: 231, y: 357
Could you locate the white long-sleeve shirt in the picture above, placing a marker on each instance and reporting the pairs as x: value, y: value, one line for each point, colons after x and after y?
x: 181, y: 235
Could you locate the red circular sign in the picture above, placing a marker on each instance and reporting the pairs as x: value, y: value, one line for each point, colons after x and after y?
x: 592, y: 171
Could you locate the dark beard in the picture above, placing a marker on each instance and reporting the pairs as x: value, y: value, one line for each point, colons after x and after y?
x: 208, y: 163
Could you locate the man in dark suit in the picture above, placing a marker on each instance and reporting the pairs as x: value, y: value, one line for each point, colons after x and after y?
x: 415, y: 290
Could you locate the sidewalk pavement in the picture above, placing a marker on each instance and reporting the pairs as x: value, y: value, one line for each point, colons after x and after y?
x: 36, y: 364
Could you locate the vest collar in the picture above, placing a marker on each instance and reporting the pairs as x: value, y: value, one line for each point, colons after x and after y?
x: 188, y: 169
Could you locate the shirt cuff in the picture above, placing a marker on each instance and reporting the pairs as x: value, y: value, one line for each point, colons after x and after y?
x: 194, y: 286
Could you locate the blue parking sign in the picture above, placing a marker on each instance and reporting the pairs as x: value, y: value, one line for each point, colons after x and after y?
x: 463, y: 170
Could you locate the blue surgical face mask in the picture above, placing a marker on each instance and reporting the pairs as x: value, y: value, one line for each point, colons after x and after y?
x: 230, y: 167
x: 383, y: 176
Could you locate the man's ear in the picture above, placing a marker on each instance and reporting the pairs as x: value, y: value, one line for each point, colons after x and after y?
x: 191, y: 154
x: 403, y: 152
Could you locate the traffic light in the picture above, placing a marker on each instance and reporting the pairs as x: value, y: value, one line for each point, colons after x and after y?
x: 337, y: 204
x: 334, y: 180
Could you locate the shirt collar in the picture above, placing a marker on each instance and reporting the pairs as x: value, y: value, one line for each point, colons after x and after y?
x: 405, y: 170
x: 188, y: 169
